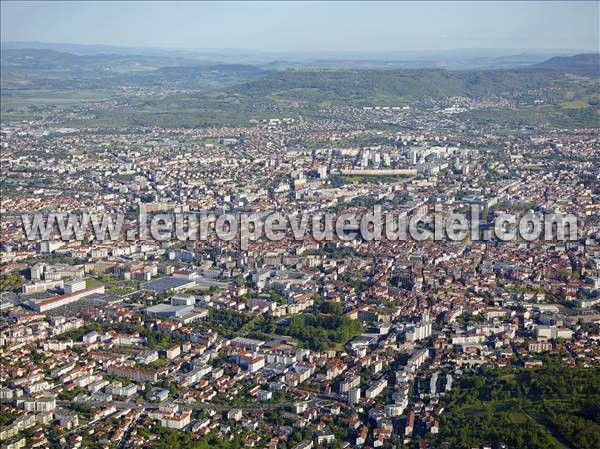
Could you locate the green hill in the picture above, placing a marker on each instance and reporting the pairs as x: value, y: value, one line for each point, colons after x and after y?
x: 585, y: 64
x: 388, y: 87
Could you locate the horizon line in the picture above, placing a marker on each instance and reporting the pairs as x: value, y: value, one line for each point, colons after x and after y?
x: 300, y: 52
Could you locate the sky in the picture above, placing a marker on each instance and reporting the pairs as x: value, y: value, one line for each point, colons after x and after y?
x: 308, y: 26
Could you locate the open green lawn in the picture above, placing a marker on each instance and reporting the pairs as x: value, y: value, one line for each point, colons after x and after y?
x: 91, y: 282
x: 575, y: 104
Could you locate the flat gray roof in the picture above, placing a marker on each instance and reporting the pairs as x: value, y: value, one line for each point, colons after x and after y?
x: 166, y: 283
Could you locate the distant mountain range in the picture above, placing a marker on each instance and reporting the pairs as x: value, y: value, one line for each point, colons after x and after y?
x: 448, y: 59
x: 34, y: 58
x: 49, y: 68
x: 585, y: 64
x: 36, y: 68
x: 195, y: 92
x: 41, y: 68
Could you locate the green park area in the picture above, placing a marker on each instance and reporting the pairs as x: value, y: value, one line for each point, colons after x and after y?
x: 546, y: 408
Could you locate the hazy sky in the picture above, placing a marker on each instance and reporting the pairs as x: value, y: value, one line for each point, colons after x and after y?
x: 308, y: 26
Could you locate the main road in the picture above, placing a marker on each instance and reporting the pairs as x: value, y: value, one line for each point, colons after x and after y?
x: 123, y: 405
